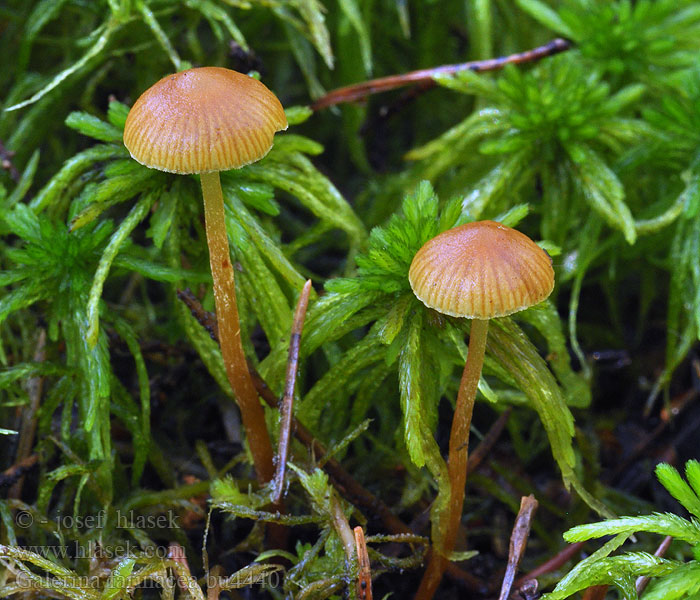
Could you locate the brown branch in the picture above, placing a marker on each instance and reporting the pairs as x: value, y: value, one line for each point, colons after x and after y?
x: 27, y: 430
x: 643, y: 582
x: 518, y: 541
x: 287, y: 408
x: 342, y: 480
x: 488, y: 441
x: 596, y: 592
x: 425, y: 77
x: 205, y: 318
x: 552, y: 564
x: 363, y: 587
x: 16, y: 471
x: 355, y: 492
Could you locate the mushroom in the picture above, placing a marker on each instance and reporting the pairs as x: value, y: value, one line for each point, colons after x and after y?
x: 207, y: 120
x: 478, y: 271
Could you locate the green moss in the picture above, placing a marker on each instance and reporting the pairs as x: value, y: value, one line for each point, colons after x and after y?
x: 113, y: 397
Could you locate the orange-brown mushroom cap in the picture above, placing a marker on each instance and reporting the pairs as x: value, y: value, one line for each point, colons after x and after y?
x: 202, y: 120
x: 481, y: 270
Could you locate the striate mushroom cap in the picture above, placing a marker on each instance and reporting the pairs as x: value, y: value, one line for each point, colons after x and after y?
x: 202, y: 120
x: 481, y: 270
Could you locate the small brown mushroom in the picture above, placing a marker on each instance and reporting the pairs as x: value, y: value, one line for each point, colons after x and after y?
x: 204, y: 121
x: 479, y: 271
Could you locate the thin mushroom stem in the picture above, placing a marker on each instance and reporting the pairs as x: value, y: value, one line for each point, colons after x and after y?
x: 457, y: 459
x: 229, y: 327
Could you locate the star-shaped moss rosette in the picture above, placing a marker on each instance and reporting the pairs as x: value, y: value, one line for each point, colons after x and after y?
x: 549, y: 136
x: 646, y: 39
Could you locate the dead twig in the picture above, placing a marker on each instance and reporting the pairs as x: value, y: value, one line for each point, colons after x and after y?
x: 488, y: 441
x: 425, y: 77
x: 340, y: 523
x: 643, y: 582
x: 595, y: 592
x: 16, y: 471
x: 342, y: 480
x: 29, y: 414
x: 203, y: 317
x: 286, y: 411
x: 364, y: 572
x: 214, y: 582
x: 552, y: 564
x: 518, y: 542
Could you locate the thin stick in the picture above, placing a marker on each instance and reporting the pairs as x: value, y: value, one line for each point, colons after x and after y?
x: 204, y: 317
x: 27, y: 430
x: 342, y: 480
x: 518, y: 541
x: 552, y: 564
x: 643, y: 582
x: 252, y: 413
x: 214, y: 582
x: 9, y: 476
x: 363, y: 588
x: 288, y: 399
x: 425, y: 77
x: 596, y: 592
x: 342, y: 528
x: 488, y: 441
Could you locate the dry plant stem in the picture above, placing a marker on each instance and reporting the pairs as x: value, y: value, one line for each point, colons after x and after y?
x: 488, y: 441
x: 342, y: 480
x: 252, y: 412
x: 425, y: 77
x: 11, y: 475
x: 363, y: 588
x: 554, y: 563
x: 342, y: 528
x: 27, y: 430
x: 643, y: 582
x: 518, y: 542
x: 290, y: 382
x: 457, y: 459
x: 214, y: 582
x: 596, y: 592
x: 361, y: 497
